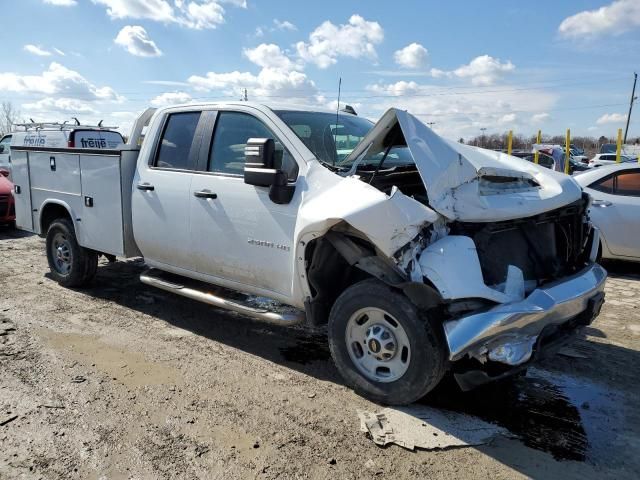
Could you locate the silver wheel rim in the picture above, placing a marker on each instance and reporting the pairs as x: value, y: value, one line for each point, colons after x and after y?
x: 61, y: 253
x: 378, y: 345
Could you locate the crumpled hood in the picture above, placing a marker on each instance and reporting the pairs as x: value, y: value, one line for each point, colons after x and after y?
x: 471, y: 184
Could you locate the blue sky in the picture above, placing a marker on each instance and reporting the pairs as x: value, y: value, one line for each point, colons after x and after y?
x: 494, y: 64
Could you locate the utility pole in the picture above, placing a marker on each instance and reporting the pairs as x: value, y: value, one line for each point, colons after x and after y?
x: 246, y: 98
x: 482, y: 129
x: 633, y: 97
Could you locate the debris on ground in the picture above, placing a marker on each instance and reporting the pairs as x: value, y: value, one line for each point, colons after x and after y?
x: 426, y: 428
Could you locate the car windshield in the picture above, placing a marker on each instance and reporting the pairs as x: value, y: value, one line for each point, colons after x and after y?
x: 329, y: 140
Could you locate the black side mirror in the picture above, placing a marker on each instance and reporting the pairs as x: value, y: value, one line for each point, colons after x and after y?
x: 1, y: 148
x: 259, y: 170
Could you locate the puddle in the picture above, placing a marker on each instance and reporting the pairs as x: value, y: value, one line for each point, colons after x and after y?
x: 569, y: 418
x: 128, y: 367
x: 307, y: 349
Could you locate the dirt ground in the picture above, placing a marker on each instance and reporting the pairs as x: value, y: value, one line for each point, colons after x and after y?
x: 123, y: 381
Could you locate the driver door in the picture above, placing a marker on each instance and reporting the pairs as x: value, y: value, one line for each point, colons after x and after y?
x: 237, y: 232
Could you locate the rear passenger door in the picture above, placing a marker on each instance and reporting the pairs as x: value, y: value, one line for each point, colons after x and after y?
x: 160, y: 198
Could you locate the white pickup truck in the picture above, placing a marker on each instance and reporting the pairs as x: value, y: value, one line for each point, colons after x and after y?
x: 423, y: 256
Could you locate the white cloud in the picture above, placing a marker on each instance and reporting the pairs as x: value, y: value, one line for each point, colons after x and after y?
x: 484, y: 70
x: 540, y: 117
x: 59, y: 80
x: 136, y: 41
x: 508, y: 119
x: 616, y: 18
x: 37, y: 50
x: 269, y: 55
x: 195, y: 14
x: 171, y: 98
x: 61, y: 3
x: 357, y: 39
x: 413, y: 55
x: 612, y: 118
x: 280, y: 77
x: 459, y: 113
x: 59, y: 105
x: 284, y: 25
x: 268, y: 83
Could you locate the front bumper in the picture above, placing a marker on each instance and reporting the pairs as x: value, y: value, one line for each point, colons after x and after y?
x: 509, y: 333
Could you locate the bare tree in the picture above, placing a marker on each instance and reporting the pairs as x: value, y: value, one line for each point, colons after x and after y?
x: 8, y: 117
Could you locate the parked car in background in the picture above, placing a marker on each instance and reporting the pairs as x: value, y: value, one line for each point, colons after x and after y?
x: 577, y: 156
x: 615, y: 209
x: 7, y: 206
x: 607, y: 159
x: 578, y: 150
x: 547, y: 161
x: 5, y: 152
x: 608, y: 148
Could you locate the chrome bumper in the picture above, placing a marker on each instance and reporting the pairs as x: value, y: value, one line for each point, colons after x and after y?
x: 508, y: 333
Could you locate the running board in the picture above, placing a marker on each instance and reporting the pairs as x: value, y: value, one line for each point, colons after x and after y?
x: 154, y: 278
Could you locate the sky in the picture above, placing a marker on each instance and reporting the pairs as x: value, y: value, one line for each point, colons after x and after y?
x: 461, y: 66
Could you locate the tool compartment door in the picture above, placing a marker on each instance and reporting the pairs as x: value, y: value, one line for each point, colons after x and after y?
x: 101, y: 218
x: 22, y: 189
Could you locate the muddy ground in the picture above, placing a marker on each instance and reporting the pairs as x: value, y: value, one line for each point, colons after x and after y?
x: 123, y: 381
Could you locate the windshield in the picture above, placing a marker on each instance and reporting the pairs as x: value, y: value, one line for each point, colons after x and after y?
x: 330, y: 141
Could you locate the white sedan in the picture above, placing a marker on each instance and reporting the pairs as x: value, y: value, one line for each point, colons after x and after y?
x: 615, y: 210
x: 602, y: 159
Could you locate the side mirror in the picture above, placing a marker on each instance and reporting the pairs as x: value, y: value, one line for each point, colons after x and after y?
x: 1, y: 148
x: 259, y: 170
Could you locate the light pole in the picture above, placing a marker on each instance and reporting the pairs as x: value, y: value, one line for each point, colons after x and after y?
x: 482, y: 129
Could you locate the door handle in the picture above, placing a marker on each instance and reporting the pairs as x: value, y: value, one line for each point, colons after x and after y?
x: 146, y: 187
x: 601, y: 203
x: 205, y: 194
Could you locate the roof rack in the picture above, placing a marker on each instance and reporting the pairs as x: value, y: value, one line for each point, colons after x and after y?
x: 42, y: 125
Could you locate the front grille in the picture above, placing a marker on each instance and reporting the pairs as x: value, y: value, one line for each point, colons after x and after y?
x: 545, y: 247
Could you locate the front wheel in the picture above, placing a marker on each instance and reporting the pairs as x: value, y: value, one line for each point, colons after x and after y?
x: 382, y: 346
x: 71, y: 265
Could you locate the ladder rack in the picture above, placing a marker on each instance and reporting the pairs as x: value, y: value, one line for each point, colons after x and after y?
x: 61, y: 126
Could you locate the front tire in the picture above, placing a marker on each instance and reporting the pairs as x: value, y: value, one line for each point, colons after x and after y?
x: 71, y: 265
x: 382, y: 346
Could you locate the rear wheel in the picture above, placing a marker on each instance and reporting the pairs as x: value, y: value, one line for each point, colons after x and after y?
x: 71, y: 265
x: 382, y: 346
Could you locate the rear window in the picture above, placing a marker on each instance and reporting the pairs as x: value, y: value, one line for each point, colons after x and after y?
x: 176, y: 142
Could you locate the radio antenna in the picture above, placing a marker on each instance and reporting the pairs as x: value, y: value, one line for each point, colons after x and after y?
x: 335, y: 131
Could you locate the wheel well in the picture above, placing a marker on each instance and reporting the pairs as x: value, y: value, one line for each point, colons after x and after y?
x: 51, y: 212
x: 329, y: 274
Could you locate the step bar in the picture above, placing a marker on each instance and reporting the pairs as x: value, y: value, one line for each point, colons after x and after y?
x: 154, y: 279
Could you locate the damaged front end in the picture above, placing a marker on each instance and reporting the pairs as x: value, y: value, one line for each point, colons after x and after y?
x: 511, y: 255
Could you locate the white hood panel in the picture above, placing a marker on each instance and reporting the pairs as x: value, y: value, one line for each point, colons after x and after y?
x: 456, y: 175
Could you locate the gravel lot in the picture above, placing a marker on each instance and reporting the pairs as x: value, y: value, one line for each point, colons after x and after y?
x: 123, y: 381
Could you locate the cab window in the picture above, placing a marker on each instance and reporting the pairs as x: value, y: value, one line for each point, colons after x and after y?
x: 176, y: 142
x: 6, y: 143
x: 628, y: 183
x: 604, y: 185
x: 230, y: 136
